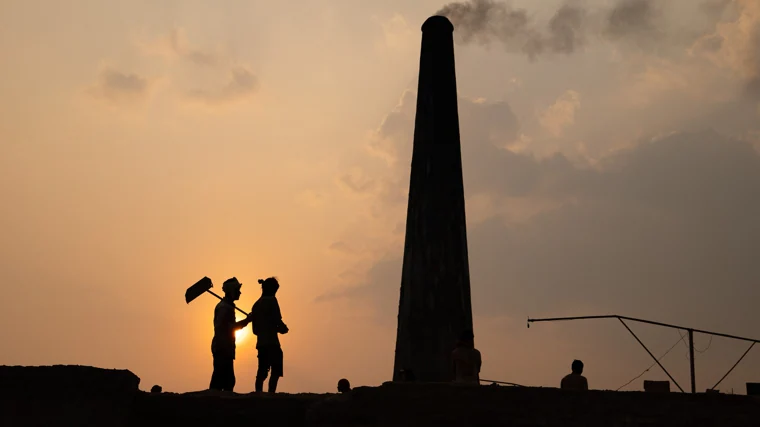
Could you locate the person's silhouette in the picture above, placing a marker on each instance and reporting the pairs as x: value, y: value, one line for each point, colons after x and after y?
x: 575, y: 380
x: 223, y: 343
x: 466, y: 359
x: 267, y: 323
x: 406, y: 375
x: 344, y: 386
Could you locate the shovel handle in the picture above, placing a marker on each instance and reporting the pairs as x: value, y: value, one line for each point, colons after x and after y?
x: 209, y: 291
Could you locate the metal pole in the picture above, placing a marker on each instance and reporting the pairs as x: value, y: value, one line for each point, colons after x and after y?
x: 614, y: 316
x: 691, y: 361
x: 652, y: 355
x: 236, y: 308
x: 732, y: 368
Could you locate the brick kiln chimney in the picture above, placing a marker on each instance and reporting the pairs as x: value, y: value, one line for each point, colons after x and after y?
x: 434, y: 305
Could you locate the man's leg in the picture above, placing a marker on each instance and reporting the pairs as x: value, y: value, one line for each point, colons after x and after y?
x: 261, y: 373
x: 215, y: 376
x: 229, y: 383
x: 260, y: 377
x: 223, y: 377
x: 276, y: 362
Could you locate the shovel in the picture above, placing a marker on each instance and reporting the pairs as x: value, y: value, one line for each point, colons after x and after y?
x: 201, y: 286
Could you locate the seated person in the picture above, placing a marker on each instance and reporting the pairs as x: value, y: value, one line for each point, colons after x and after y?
x: 466, y: 360
x: 344, y: 386
x: 574, y: 380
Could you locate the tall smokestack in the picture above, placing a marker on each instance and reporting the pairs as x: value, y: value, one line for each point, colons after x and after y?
x: 434, y: 306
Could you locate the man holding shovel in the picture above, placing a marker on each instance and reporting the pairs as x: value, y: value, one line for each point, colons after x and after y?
x: 223, y: 343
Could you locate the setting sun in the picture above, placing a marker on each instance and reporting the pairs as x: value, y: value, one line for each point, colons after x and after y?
x: 241, y: 335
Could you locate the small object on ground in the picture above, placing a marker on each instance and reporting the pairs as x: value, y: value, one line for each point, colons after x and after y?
x: 753, y: 389
x: 156, y: 389
x: 657, y: 386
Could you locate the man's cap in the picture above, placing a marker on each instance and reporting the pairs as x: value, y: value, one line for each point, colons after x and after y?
x: 231, y: 284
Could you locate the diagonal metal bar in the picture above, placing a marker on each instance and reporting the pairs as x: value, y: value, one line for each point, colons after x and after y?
x: 652, y: 355
x: 732, y: 368
x: 633, y: 319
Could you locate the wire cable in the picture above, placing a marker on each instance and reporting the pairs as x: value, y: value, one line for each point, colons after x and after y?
x: 653, y: 364
x: 683, y: 338
x: 706, y: 348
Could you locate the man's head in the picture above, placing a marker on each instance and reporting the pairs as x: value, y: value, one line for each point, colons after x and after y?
x: 577, y: 367
x: 467, y: 337
x: 269, y: 286
x: 231, y: 288
x: 344, y: 386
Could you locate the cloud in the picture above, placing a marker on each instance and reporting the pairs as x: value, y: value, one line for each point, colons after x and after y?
x: 196, y: 56
x: 384, y: 142
x: 356, y: 182
x: 203, y: 69
x: 673, y: 217
x: 735, y: 45
x: 176, y: 45
x: 392, y: 140
x: 241, y: 85
x: 378, y: 288
x: 311, y: 199
x: 561, y: 114
x: 120, y: 87
x: 685, y: 197
x: 341, y: 246
x: 397, y: 34
x: 633, y: 18
x: 640, y: 24
x: 565, y: 29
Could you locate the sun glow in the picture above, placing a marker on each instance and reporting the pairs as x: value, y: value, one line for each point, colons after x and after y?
x: 241, y: 335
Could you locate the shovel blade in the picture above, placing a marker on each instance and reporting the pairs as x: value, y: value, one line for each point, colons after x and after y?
x: 197, y: 289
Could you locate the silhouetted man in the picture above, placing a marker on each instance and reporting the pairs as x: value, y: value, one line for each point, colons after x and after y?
x: 575, y: 381
x: 344, y: 386
x: 466, y: 359
x: 267, y: 323
x: 223, y: 344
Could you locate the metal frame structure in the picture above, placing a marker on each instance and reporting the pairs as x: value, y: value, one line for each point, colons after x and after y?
x: 690, y: 332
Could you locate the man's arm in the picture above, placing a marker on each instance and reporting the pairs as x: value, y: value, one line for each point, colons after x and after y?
x: 226, y: 316
x: 281, y: 326
x: 242, y: 324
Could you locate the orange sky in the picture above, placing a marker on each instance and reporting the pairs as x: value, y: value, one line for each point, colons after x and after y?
x: 146, y: 145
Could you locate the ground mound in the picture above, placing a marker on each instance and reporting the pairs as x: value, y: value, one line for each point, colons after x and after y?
x: 395, y: 404
x: 85, y: 396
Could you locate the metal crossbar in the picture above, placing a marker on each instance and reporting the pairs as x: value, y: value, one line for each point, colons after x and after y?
x: 690, y: 331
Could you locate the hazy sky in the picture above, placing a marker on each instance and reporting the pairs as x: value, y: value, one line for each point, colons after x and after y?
x: 610, y: 155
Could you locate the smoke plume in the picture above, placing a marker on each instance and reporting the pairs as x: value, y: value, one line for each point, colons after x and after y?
x: 631, y: 18
x: 487, y: 21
